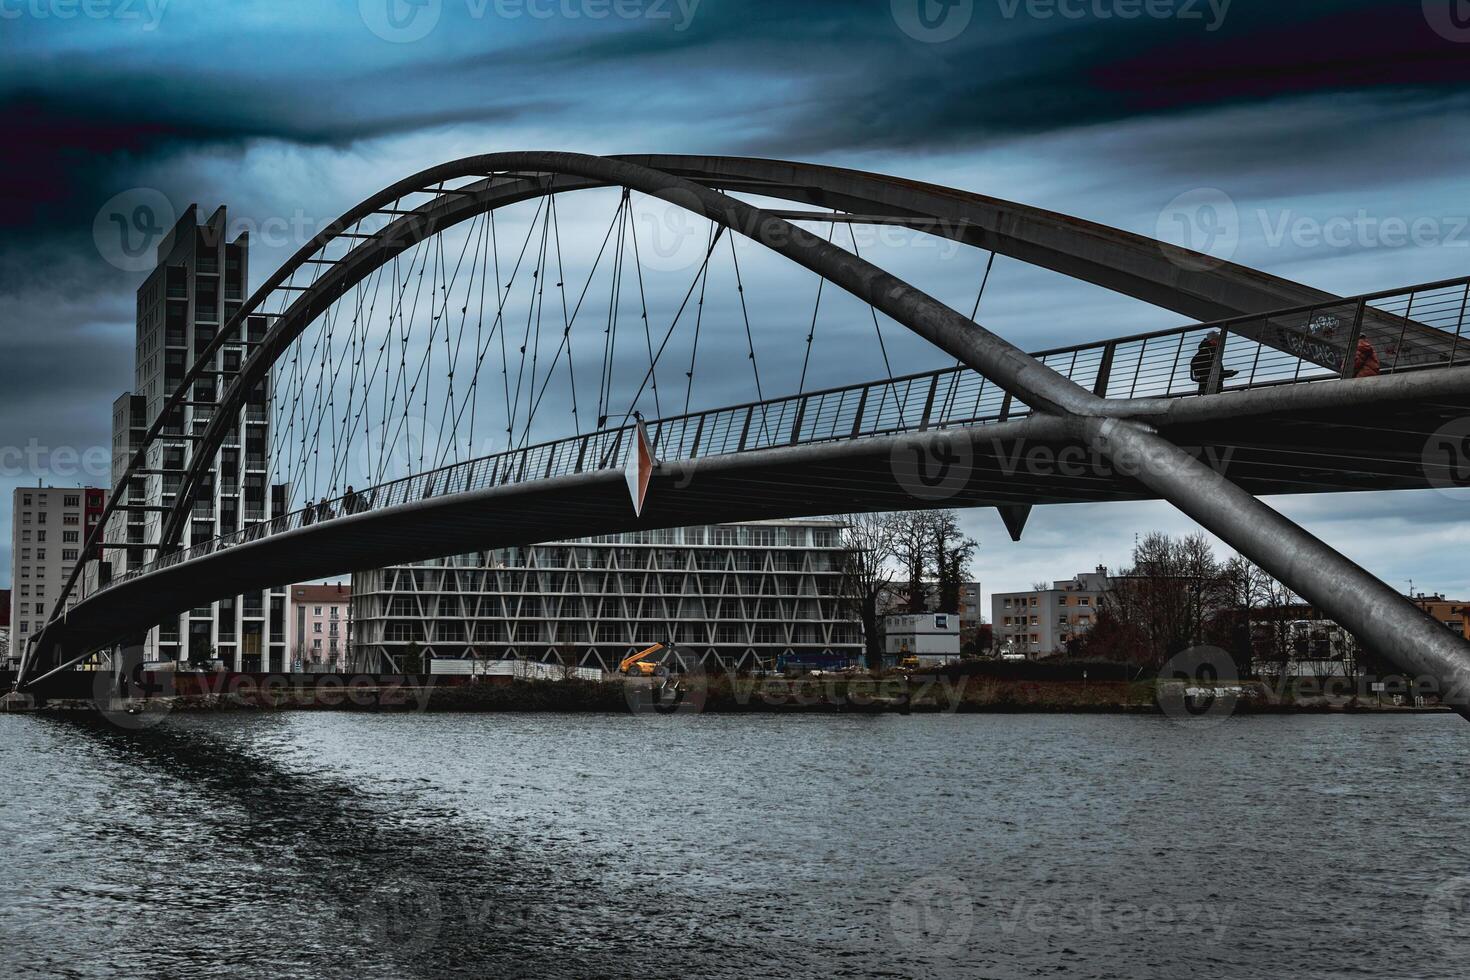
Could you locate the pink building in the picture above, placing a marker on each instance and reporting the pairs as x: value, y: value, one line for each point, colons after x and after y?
x: 318, y: 627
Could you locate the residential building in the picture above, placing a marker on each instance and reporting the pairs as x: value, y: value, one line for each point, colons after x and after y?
x: 895, y: 598
x: 198, y: 284
x: 1041, y: 621
x: 319, y: 627
x: 764, y: 594
x: 49, y: 529
x: 1453, y: 613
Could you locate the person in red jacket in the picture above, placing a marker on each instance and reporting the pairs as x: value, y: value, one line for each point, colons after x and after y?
x: 1365, y: 362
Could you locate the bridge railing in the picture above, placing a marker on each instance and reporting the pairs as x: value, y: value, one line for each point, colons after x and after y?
x: 1304, y: 344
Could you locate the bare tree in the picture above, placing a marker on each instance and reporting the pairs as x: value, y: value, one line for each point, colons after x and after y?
x: 1172, y: 596
x: 1264, y: 607
x: 912, y: 538
x: 868, y: 569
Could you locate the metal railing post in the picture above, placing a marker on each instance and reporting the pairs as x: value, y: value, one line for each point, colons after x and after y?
x: 1104, y: 370
x: 1350, y: 354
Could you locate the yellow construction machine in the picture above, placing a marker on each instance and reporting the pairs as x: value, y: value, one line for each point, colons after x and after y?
x: 638, y: 665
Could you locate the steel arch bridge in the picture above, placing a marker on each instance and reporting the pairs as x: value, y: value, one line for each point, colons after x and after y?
x: 1270, y: 382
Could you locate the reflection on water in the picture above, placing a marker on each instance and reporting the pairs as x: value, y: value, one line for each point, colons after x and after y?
x: 324, y: 845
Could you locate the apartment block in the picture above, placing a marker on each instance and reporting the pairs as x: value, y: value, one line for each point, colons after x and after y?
x: 1041, y: 621
x: 319, y: 627
x: 49, y: 529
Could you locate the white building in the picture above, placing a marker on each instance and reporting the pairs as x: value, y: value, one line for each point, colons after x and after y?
x: 49, y: 527
x: 1041, y: 621
x: 199, y: 283
x: 933, y: 638
x: 743, y: 595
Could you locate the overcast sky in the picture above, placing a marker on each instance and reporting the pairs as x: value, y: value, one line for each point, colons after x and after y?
x: 1300, y: 115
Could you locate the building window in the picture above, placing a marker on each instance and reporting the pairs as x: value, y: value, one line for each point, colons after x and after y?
x: 316, y: 627
x: 68, y: 554
x: 316, y: 611
x: 71, y: 500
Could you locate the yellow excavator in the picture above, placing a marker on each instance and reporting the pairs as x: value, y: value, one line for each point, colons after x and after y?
x: 638, y: 665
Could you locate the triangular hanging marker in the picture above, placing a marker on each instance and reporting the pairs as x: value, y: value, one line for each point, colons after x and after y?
x: 1014, y: 517
x: 638, y: 469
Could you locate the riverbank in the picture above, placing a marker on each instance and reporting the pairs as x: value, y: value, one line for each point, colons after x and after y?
x: 918, y: 694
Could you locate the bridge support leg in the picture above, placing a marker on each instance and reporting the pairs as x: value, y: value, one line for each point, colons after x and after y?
x: 1381, y: 618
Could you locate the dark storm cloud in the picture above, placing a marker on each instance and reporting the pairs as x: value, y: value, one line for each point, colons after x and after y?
x: 863, y: 83
x: 85, y: 135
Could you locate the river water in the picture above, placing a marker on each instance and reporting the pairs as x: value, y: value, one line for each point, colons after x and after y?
x: 363, y: 846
